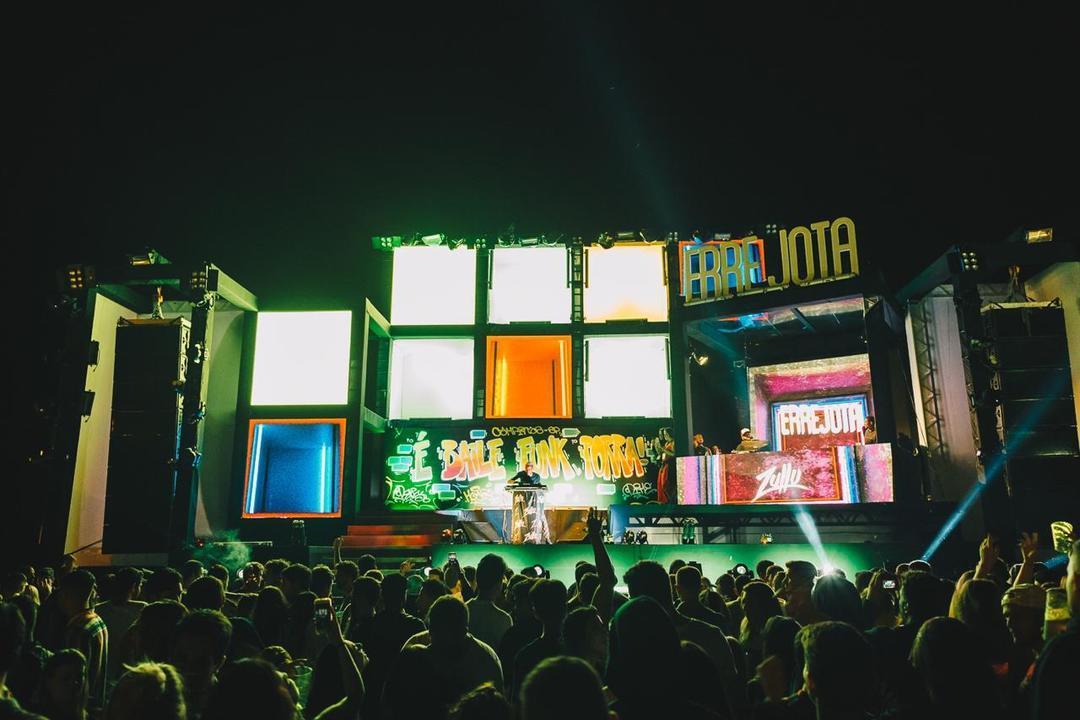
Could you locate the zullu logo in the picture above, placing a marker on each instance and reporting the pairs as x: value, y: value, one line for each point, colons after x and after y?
x: 771, y: 481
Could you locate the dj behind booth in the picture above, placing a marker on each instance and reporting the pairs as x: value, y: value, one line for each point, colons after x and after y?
x: 528, y: 521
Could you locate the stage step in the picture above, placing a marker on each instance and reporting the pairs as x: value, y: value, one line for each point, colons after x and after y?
x: 405, y: 541
x: 412, y: 533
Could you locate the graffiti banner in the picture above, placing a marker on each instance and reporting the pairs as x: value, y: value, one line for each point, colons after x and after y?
x: 593, y: 464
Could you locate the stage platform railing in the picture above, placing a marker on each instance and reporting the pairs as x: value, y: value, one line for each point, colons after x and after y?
x: 725, y: 523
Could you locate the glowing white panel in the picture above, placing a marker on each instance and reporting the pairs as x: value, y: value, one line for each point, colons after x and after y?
x: 431, y: 378
x: 626, y: 282
x: 529, y: 285
x: 433, y: 286
x: 302, y: 358
x: 627, y: 376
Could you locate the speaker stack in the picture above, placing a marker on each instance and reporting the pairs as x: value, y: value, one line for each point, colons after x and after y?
x: 151, y: 363
x: 1035, y: 412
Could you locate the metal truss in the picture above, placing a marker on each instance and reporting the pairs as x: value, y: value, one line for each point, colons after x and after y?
x: 923, y: 336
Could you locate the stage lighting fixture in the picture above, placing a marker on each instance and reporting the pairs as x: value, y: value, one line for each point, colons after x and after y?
x: 628, y: 537
x: 642, y: 537
x: 741, y: 569
x: 77, y: 277
x: 766, y: 539
x: 433, y: 240
x: 531, y: 241
x: 150, y: 257
x: 969, y: 261
x: 700, y: 359
x: 386, y: 242
x: 298, y: 534
x: 606, y: 240
x: 1040, y: 235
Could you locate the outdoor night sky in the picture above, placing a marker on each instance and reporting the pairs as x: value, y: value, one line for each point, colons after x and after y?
x: 275, y: 143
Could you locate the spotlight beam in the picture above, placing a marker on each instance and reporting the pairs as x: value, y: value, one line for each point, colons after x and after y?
x: 993, y: 469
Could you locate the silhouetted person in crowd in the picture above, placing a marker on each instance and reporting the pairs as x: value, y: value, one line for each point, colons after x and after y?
x: 837, y: 599
x: 250, y: 689
x: 122, y: 608
x: 430, y: 591
x: 562, y: 688
x: 322, y: 581
x: 148, y: 690
x: 487, y: 621
x: 273, y: 571
x: 366, y: 563
x: 191, y: 571
x: 271, y: 615
x: 12, y: 638
x: 198, y: 653
x: 977, y: 604
x: 776, y: 673
x: 585, y: 636
x: 484, y: 703
x: 688, y: 587
x: 1055, y: 683
x: 151, y: 637
x: 221, y: 574
x: 955, y: 675
x: 548, y: 599
x: 163, y: 584
x: 461, y: 661
x: 24, y: 675
x: 701, y: 684
x: 649, y: 579
x: 644, y: 664
x: 1024, y: 607
x: 345, y: 574
x: 758, y: 605
x: 400, y: 698
x: 251, y: 578
x: 526, y: 627
x: 361, y: 615
x: 797, y: 592
x: 391, y: 629
x: 583, y: 594
x: 62, y: 692
x: 84, y: 630
x: 725, y: 585
x: 838, y: 671
x: 295, y: 579
x: 206, y: 593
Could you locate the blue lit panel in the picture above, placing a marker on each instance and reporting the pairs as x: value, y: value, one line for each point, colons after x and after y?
x: 294, y: 468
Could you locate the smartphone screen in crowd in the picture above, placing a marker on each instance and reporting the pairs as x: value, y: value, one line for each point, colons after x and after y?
x: 322, y: 613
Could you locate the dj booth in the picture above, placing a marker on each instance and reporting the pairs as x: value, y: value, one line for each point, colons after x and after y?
x: 833, y: 474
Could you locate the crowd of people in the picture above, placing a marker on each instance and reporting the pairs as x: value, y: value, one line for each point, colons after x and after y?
x: 776, y: 642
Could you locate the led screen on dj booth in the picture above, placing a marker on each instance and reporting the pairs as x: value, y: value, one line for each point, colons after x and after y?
x: 818, y: 422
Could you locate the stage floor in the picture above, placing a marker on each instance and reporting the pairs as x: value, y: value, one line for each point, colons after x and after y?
x: 715, y: 558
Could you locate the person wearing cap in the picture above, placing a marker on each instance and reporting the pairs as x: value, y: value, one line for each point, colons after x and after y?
x: 747, y: 442
x: 1022, y: 605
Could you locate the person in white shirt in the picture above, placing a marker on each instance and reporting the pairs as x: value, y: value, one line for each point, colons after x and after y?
x: 488, y: 622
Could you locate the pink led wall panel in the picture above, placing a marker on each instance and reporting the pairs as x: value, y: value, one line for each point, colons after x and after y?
x: 811, y: 403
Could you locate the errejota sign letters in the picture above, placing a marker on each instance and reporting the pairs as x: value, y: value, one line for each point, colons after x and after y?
x: 718, y: 270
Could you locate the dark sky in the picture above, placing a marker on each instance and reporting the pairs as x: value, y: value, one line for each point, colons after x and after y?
x: 277, y: 142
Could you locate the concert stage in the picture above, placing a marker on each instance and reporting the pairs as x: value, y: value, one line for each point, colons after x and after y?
x: 725, y: 388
